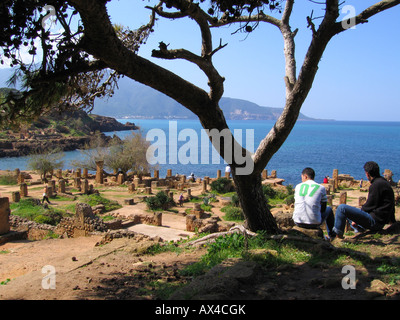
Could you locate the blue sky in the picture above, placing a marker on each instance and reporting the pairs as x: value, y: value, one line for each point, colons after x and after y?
x: 357, y: 77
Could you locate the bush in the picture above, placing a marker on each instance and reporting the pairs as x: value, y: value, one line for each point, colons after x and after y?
x: 222, y: 185
x: 235, y: 200
x: 159, y: 201
x: 268, y: 191
x: 289, y: 199
x: 233, y: 213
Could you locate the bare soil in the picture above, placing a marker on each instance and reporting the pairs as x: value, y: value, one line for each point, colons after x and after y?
x: 124, y: 270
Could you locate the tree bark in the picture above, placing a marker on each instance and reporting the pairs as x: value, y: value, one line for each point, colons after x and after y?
x: 254, y: 204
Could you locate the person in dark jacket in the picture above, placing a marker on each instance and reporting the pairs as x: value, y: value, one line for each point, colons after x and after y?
x: 377, y: 211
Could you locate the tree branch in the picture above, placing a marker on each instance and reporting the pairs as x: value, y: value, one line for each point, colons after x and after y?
x: 204, y: 62
x: 367, y: 13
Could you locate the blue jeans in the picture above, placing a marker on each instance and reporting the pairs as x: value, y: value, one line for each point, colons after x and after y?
x: 345, y: 212
x: 329, y: 219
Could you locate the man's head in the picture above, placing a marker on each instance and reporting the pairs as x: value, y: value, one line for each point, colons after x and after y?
x: 308, y: 174
x: 371, y: 170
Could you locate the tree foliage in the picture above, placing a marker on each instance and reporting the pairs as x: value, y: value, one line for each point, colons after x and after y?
x: 44, y: 163
x: 128, y: 154
x: 58, y: 72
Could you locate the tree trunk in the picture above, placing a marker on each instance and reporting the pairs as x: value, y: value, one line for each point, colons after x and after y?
x: 254, y: 204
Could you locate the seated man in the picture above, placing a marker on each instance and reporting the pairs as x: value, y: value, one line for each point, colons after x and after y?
x: 310, y: 204
x: 377, y: 211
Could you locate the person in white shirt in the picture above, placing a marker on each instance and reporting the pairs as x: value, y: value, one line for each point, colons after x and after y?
x: 310, y: 204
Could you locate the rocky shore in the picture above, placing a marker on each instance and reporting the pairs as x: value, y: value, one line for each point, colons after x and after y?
x: 66, y: 132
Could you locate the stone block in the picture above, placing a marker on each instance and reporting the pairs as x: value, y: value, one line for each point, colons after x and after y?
x: 4, y: 215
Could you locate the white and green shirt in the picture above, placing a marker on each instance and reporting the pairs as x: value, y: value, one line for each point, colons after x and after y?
x: 307, y: 202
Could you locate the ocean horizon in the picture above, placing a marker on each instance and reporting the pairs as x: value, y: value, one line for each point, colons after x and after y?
x: 324, y: 145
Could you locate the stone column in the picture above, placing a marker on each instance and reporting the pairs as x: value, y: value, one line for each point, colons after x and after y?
x: 156, y: 174
x: 23, y: 189
x: 49, y: 191
x: 169, y: 173
x: 52, y: 183
x: 20, y: 178
x: 157, y: 219
x: 204, y: 186
x: 16, y: 196
x: 61, y: 186
x: 120, y: 179
x: 136, y: 182
x: 218, y: 174
x: 85, y: 186
x: 264, y: 174
x: 343, y: 197
x: 99, y: 172
x: 77, y: 183
x: 335, y: 177
x: 85, y: 173
x: 4, y: 215
x: 273, y: 174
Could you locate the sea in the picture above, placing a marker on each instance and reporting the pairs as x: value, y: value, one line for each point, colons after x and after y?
x: 321, y: 145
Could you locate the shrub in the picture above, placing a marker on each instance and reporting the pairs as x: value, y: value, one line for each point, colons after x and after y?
x: 289, y: 199
x: 159, y: 201
x: 222, y: 185
x: 268, y: 191
x: 235, y: 200
x: 233, y: 213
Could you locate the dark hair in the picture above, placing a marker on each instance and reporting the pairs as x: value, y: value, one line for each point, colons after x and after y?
x: 309, y: 172
x: 372, y: 168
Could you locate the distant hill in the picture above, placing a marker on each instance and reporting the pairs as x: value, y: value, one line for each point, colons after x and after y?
x: 134, y: 100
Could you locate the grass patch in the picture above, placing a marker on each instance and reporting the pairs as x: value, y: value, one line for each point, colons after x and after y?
x: 233, y: 213
x: 390, y: 272
x: 8, y: 180
x: 96, y: 199
x: 29, y: 209
x: 279, y: 254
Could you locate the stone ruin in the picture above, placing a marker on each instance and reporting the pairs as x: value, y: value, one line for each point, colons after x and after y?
x: 82, y: 224
x: 4, y: 216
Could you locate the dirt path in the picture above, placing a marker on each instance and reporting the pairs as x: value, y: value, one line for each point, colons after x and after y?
x: 83, y: 270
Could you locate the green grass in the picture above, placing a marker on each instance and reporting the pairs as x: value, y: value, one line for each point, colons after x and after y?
x: 96, y: 199
x: 8, y: 180
x: 27, y: 208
